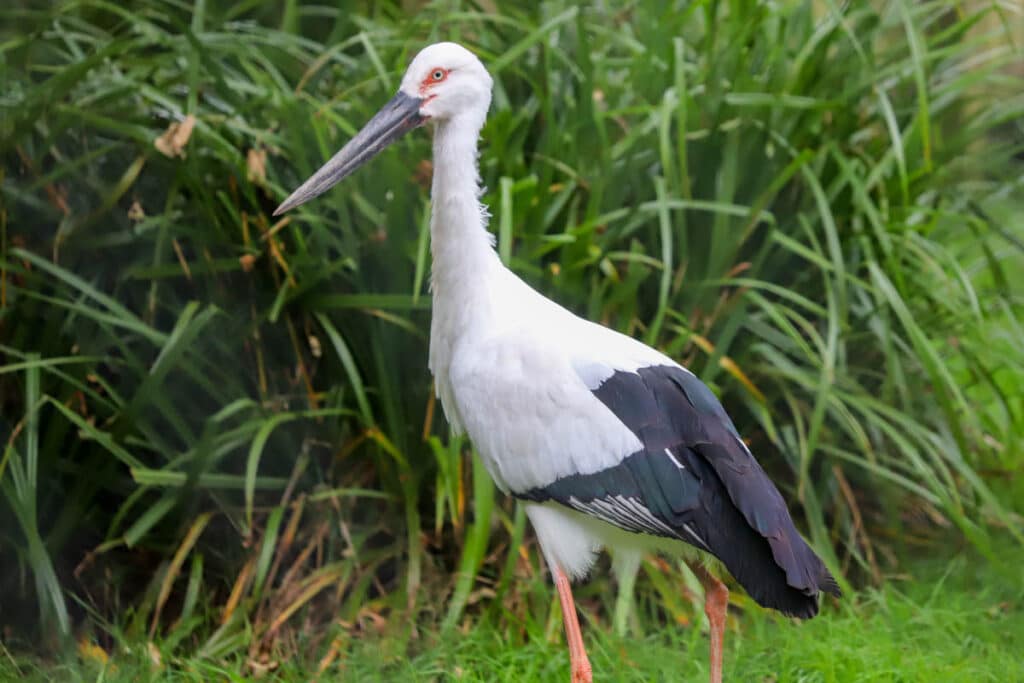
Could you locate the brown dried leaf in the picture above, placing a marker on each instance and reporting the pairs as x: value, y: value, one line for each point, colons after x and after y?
x: 181, y: 258
x: 91, y: 652
x: 155, y: 658
x: 423, y: 174
x: 136, y: 212
x: 256, y: 166
x: 172, y: 142
x: 247, y: 261
x: 262, y: 665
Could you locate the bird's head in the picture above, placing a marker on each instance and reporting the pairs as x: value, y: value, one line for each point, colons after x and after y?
x: 444, y: 82
x: 448, y: 81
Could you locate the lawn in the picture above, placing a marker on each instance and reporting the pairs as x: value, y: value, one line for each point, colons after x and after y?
x: 947, y: 620
x: 944, y: 619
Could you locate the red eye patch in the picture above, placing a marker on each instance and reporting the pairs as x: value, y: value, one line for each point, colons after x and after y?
x: 435, y: 76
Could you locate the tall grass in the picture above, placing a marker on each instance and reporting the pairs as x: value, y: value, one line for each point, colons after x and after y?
x: 220, y: 428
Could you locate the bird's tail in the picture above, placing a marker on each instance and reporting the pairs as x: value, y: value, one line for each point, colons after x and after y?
x: 758, y: 542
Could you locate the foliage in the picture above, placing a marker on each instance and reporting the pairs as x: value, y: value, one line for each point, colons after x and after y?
x: 949, y: 620
x: 220, y: 427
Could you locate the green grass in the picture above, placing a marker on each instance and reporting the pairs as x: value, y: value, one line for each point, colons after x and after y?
x: 944, y: 621
x: 218, y: 431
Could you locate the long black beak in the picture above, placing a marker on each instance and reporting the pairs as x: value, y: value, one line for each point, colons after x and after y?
x: 395, y: 118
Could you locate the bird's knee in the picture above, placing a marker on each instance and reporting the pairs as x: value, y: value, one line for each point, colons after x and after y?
x: 716, y: 598
x: 582, y: 673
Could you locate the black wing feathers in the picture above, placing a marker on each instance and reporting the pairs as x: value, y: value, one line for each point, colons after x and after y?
x: 750, y: 490
x: 695, y: 480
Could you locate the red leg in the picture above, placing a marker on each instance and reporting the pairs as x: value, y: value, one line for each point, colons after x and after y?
x: 716, y: 601
x: 581, y: 672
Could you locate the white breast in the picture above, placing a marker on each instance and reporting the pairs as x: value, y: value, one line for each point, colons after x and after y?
x: 520, y: 385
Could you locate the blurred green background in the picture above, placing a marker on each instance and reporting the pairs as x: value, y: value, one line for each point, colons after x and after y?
x: 219, y: 438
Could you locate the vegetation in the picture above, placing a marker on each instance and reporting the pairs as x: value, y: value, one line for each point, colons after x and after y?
x: 219, y: 432
x: 949, y: 620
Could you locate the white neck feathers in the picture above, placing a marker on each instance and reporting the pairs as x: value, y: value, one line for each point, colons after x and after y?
x: 462, y: 249
x: 466, y: 270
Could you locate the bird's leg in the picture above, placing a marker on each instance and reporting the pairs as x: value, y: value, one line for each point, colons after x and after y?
x: 581, y: 672
x: 716, y: 601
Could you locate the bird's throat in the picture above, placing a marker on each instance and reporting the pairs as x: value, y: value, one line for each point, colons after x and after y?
x: 462, y: 249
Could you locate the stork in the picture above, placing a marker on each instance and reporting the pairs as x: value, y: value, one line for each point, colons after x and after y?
x: 608, y: 442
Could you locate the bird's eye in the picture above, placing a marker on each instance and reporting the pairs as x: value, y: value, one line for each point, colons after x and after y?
x: 439, y: 74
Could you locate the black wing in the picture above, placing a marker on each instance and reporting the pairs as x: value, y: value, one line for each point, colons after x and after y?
x: 694, y: 480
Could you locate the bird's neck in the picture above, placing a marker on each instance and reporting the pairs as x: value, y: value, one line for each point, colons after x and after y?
x: 464, y: 260
x: 466, y: 273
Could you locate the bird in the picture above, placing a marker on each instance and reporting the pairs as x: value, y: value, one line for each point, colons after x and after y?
x: 608, y: 442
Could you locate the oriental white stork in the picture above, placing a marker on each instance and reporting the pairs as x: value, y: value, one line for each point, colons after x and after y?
x: 609, y: 442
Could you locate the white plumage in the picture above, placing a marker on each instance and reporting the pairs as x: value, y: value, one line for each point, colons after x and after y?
x: 521, y: 388
x: 608, y: 441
